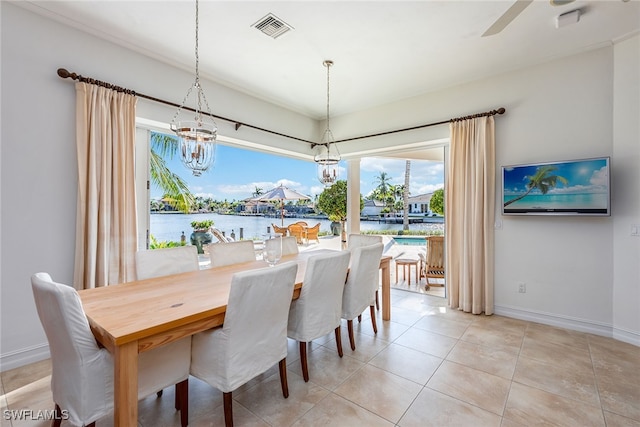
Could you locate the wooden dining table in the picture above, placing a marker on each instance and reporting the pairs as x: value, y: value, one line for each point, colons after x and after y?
x: 133, y: 317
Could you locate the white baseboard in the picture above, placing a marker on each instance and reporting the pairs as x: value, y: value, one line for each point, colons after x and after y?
x: 24, y: 357
x: 575, y: 324
x: 627, y: 336
x: 560, y: 321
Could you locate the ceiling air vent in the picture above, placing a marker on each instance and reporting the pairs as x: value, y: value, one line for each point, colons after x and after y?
x: 272, y: 26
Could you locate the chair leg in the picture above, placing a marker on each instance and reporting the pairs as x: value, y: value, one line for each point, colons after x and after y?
x: 352, y: 340
x: 339, y: 341
x: 359, y: 318
x: 377, y: 303
x: 303, y: 361
x: 282, y: 365
x: 182, y: 401
x: 93, y: 424
x: 159, y: 394
x: 373, y: 319
x: 227, y: 400
x: 57, y: 420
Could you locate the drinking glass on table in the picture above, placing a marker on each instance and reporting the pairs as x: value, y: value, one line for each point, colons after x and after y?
x: 272, y: 251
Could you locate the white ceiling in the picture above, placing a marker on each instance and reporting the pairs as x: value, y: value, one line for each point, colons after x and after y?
x: 383, y: 51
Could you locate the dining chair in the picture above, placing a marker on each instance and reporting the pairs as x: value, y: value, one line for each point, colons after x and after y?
x: 318, y: 310
x: 163, y: 262
x: 232, y: 253
x: 296, y: 230
x: 289, y: 245
x: 82, y: 372
x: 359, y: 290
x: 312, y: 233
x: 357, y: 240
x: 253, y: 337
x: 280, y: 230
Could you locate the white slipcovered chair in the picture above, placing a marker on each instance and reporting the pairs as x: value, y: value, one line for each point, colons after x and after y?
x: 164, y: 262
x: 253, y: 337
x: 318, y: 310
x: 359, y: 291
x: 82, y: 372
x: 357, y: 240
x: 167, y: 261
x: 231, y: 253
x: 289, y: 245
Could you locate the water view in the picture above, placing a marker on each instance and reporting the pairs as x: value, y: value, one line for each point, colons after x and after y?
x: 169, y: 226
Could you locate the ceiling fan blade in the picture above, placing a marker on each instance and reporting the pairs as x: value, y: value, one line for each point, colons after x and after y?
x: 507, y: 17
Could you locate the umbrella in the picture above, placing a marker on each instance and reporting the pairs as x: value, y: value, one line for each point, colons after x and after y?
x: 282, y: 193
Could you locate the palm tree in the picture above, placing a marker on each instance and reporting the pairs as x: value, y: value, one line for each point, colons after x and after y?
x: 405, y: 196
x: 384, y: 181
x: 542, y: 180
x: 257, y: 192
x: 174, y: 188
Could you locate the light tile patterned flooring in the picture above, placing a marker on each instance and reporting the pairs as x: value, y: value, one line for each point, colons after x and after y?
x: 429, y: 366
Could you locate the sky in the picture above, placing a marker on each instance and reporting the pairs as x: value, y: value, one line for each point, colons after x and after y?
x: 237, y: 172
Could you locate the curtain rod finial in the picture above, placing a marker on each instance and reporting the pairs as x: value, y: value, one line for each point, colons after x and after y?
x: 501, y: 110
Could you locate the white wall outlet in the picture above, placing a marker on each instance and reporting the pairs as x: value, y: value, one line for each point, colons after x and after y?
x: 522, y: 287
x: 498, y: 224
x: 635, y: 230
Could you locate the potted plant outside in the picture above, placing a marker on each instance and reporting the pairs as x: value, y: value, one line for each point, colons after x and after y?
x: 201, y: 234
x: 333, y: 202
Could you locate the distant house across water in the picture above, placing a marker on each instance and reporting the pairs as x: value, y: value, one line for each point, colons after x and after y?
x: 420, y: 204
x: 372, y: 208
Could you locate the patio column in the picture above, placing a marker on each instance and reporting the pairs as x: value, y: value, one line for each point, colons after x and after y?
x: 353, y: 196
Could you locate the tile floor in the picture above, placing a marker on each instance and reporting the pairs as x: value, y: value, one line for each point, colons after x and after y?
x: 428, y: 366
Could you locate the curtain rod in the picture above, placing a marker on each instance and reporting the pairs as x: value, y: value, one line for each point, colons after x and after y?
x: 500, y: 110
x: 66, y: 74
x: 63, y: 73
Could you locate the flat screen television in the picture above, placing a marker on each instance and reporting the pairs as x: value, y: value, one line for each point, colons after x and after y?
x: 572, y: 187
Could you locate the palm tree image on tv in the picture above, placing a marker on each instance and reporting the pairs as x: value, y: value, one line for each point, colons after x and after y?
x: 573, y: 187
x: 543, y: 180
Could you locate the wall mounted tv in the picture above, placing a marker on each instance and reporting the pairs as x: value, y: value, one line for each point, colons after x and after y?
x: 572, y: 187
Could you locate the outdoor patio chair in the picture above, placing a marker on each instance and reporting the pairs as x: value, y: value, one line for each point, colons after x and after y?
x: 297, y: 231
x: 434, y: 265
x: 312, y: 233
x: 280, y: 230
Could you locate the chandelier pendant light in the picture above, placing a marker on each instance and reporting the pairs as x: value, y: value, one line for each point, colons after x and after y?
x: 326, y: 155
x: 196, y: 137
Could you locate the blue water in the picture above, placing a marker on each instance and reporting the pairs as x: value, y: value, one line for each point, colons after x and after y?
x: 169, y: 227
x: 559, y: 201
x: 410, y: 241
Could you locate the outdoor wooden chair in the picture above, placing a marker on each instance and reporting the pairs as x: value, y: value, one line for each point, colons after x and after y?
x: 312, y: 233
x: 434, y: 265
x: 297, y: 231
x: 280, y: 230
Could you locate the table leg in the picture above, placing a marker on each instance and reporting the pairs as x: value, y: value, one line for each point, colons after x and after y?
x: 386, y: 289
x: 125, y: 393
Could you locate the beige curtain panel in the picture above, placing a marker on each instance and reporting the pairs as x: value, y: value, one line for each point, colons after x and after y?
x: 106, y: 221
x: 469, y: 215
